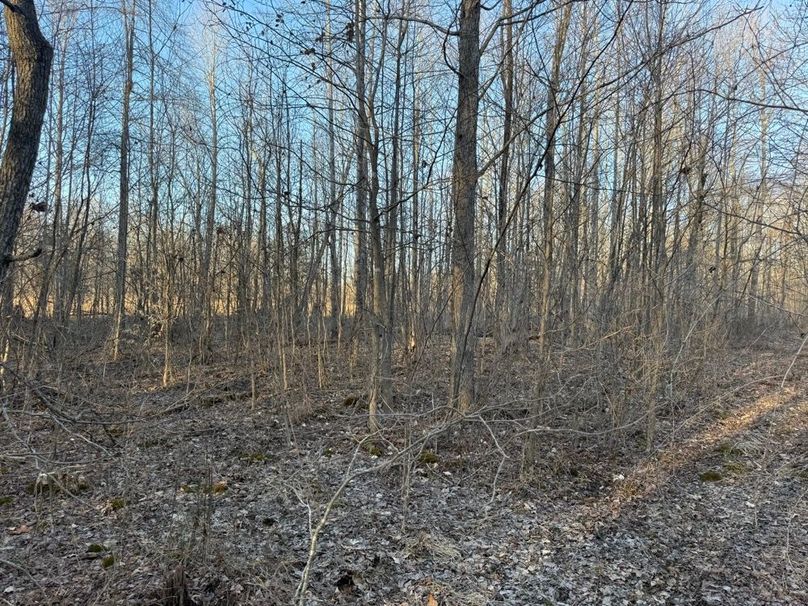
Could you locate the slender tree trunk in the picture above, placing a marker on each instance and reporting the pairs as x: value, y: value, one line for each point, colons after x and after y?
x: 416, y: 312
x: 655, y: 312
x: 548, y: 219
x: 361, y: 263
x: 502, y: 303
x: 464, y: 202
x: 380, y: 367
x: 152, y: 297
x: 53, y: 253
x: 206, y: 272
x: 123, y: 213
x: 760, y: 201
x: 333, y: 203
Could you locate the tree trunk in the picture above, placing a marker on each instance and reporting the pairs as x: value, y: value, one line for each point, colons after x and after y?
x: 361, y: 261
x: 548, y: 218
x: 333, y: 203
x: 123, y: 214
x: 32, y: 56
x: 464, y: 201
x: 206, y: 274
x: 152, y: 297
x: 503, y: 305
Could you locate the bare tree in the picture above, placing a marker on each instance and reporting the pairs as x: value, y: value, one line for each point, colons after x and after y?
x: 464, y: 202
x: 32, y: 55
x: 123, y: 211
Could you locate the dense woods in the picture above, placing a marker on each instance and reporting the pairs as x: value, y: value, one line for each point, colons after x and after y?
x: 551, y: 249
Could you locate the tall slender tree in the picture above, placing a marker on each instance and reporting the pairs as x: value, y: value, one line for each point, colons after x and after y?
x: 464, y: 203
x: 128, y: 12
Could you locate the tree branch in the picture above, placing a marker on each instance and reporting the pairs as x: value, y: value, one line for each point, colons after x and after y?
x: 31, y: 255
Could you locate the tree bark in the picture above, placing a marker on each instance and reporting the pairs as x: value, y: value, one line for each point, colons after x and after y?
x: 123, y: 214
x: 32, y: 55
x: 464, y: 201
x: 503, y: 305
x: 361, y: 259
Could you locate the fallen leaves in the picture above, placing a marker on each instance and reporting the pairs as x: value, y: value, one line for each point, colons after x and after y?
x: 456, y: 541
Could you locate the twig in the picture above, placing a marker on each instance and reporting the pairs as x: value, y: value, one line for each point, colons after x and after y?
x: 300, y: 593
x: 350, y: 476
x: 793, y: 361
x: 17, y: 566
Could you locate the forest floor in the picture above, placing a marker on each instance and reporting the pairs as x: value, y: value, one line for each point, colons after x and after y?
x: 198, y: 484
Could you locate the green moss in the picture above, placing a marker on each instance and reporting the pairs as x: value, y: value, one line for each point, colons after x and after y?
x: 205, y: 488
x: 735, y: 467
x: 96, y: 548
x: 373, y: 449
x: 6, y: 500
x: 427, y: 457
x: 213, y: 400
x: 728, y: 449
x: 352, y: 401
x: 801, y: 474
x: 108, y: 561
x: 724, y: 413
x: 117, y: 503
x: 253, y: 457
x: 725, y: 448
x: 710, y: 476
x: 218, y: 487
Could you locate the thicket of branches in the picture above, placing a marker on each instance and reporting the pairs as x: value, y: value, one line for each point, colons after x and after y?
x: 368, y: 178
